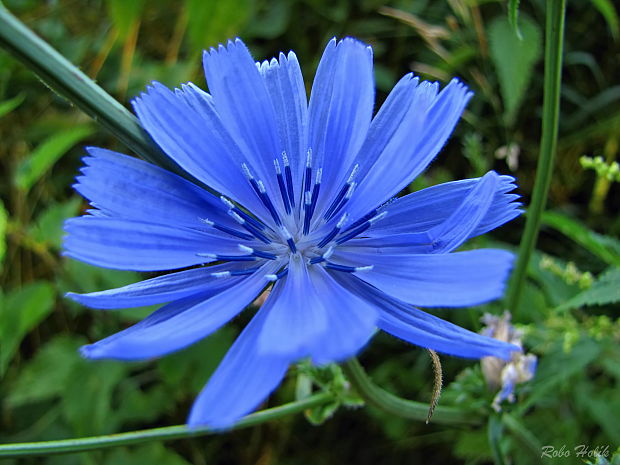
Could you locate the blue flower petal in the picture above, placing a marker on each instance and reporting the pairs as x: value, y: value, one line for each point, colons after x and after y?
x: 435, y: 280
x: 131, y: 188
x: 297, y: 316
x: 173, y: 286
x: 192, y: 135
x: 423, y: 130
x: 427, y: 208
x: 351, y: 321
x: 245, y: 107
x: 181, y: 323
x: 286, y: 88
x: 448, y: 235
x: 340, y: 112
x: 135, y: 245
x: 425, y: 330
x: 455, y: 230
x: 244, y: 378
x: 387, y: 122
x: 408, y: 243
x: 430, y: 332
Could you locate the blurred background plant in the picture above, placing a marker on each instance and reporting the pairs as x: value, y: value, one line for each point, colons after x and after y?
x: 568, y: 312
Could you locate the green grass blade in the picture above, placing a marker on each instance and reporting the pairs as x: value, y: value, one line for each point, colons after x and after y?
x: 554, y: 40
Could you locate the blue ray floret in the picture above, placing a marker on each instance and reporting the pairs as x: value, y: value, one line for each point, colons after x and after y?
x: 305, y: 206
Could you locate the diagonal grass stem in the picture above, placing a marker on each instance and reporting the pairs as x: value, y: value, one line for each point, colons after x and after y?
x: 67, y: 80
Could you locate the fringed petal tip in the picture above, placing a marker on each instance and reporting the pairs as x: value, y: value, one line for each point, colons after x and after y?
x: 229, y: 46
x: 88, y: 352
x: 98, y: 351
x: 73, y: 296
x: 502, y: 350
x: 351, y: 41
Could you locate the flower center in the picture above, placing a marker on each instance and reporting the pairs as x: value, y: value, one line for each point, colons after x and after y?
x: 294, y: 234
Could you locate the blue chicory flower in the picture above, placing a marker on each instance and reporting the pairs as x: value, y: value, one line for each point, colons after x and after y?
x: 304, y: 205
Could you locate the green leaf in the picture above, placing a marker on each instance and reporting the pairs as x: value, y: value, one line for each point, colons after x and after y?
x: 599, y: 404
x: 549, y: 380
x: 192, y: 367
x: 329, y: 378
x: 604, y: 247
x: 271, y: 20
x: 495, y: 431
x: 48, y: 153
x: 9, y: 105
x: 80, y: 277
x: 4, y: 216
x: 20, y: 311
x: 607, y: 9
x: 514, y: 59
x: 211, y: 23
x: 124, y: 14
x: 87, y: 396
x: 45, y: 376
x: 137, y: 404
x: 48, y: 226
x: 605, y: 290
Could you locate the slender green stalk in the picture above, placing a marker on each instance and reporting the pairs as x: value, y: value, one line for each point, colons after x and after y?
x: 403, y: 408
x: 494, y: 435
x: 67, y: 80
x: 554, y: 40
x: 167, y: 433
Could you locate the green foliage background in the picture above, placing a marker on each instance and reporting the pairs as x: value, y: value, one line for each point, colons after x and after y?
x: 569, y: 311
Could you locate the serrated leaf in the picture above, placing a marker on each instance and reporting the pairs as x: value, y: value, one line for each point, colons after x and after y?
x: 514, y: 59
x: 605, y: 290
x: 329, y: 378
x: 20, y: 311
x: 322, y: 413
x: 47, y: 153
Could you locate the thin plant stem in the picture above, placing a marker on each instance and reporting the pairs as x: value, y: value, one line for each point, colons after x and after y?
x: 67, y: 80
x: 67, y: 446
x: 554, y: 40
x: 380, y: 398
